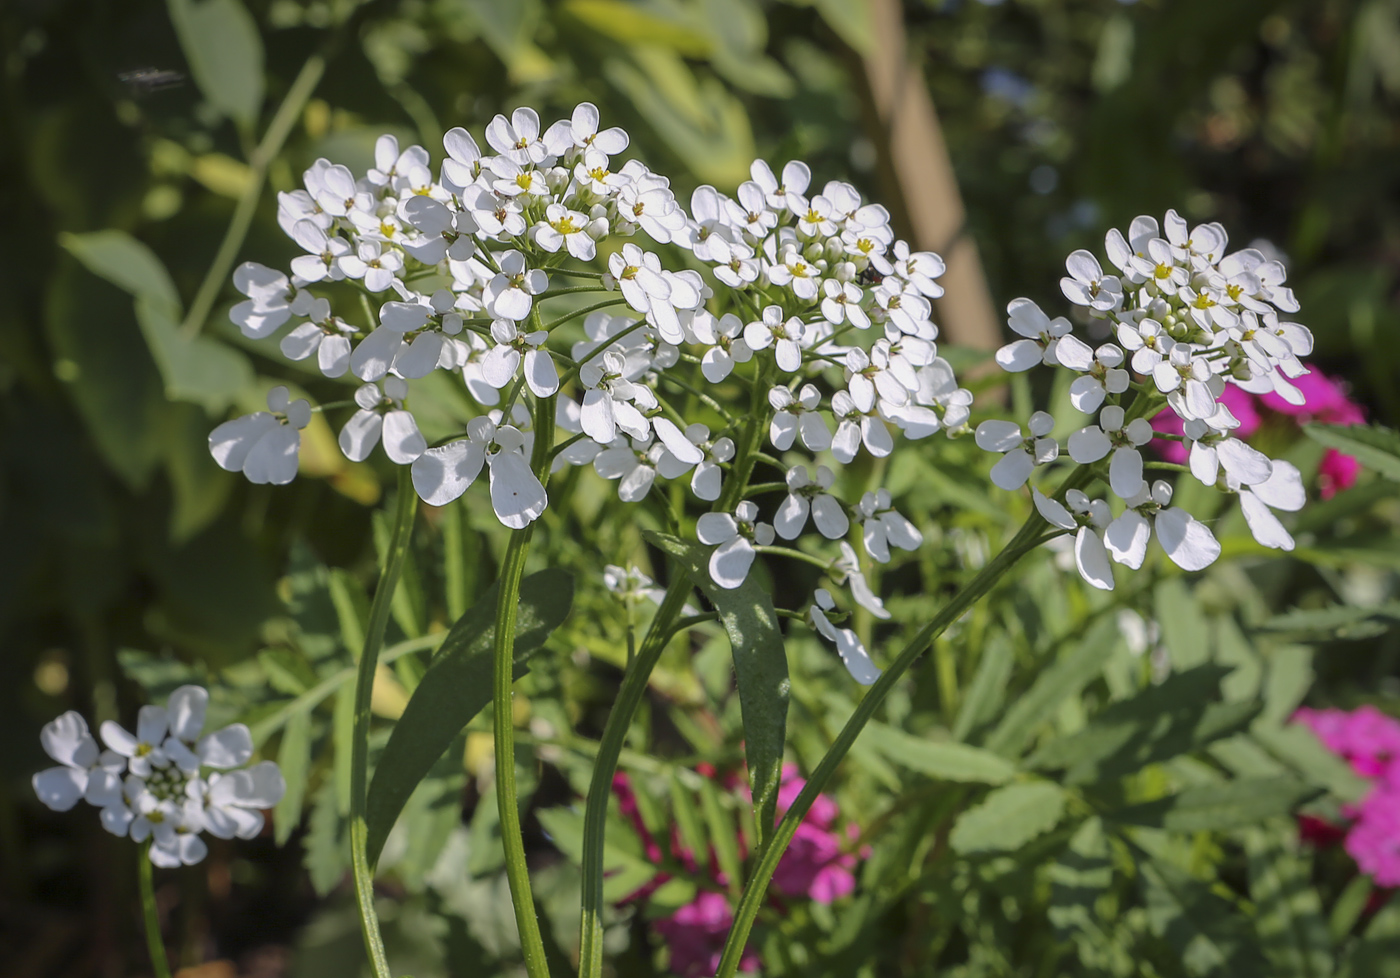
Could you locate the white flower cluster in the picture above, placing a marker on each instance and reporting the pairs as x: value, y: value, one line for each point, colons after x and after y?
x: 830, y: 311
x: 1188, y: 319
x: 167, y: 783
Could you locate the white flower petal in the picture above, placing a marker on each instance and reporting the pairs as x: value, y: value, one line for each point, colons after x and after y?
x: 1091, y: 558
x: 60, y: 788
x: 1055, y: 514
x: 230, y: 747
x: 260, y: 786
x: 516, y: 494
x: 998, y: 436
x: 829, y: 516
x: 1187, y: 541
x: 1013, y: 470
x: 1089, y: 444
x: 1125, y: 472
x: 1126, y: 538
x: 1263, y: 523
x: 730, y: 563
x: 713, y: 528
x: 402, y: 440
x: 442, y: 474
x: 273, y: 460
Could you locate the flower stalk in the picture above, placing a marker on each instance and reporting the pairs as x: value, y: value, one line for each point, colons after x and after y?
x: 407, y: 508
x: 155, y: 944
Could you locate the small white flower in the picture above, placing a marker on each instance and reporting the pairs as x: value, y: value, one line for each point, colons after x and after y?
x: 846, y: 570
x: 1102, y: 370
x: 1093, y: 442
x: 1041, y: 334
x: 632, y: 463
x: 324, y: 335
x: 1147, y: 341
x: 805, y: 496
x: 1087, y: 285
x: 324, y: 252
x: 517, y: 495
x: 235, y: 800
x: 382, y: 415
x: 518, y: 139
x: 726, y: 346
x: 1089, y: 518
x: 442, y: 474
x: 1187, y: 541
x: 585, y: 134
x: 638, y: 276
x: 706, y: 480
x: 263, y: 446
x: 1021, y: 454
x: 611, y: 401
x: 511, y: 293
x: 734, y: 538
x: 83, y: 772
x: 272, y: 300
x: 1243, y: 464
x: 855, y: 427
x: 1283, y: 489
x: 499, y: 366
x: 798, y: 414
x: 1187, y: 380
x: 848, y: 646
x: 783, y: 334
x: 882, y: 525
x: 564, y: 228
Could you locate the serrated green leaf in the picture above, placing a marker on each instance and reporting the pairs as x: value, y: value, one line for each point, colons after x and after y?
x: 294, y: 758
x: 1288, y: 915
x: 1078, y: 879
x: 760, y: 670
x: 1063, y: 679
x: 456, y: 687
x: 1008, y: 818
x: 1209, y: 934
x: 1297, y: 747
x: 1234, y: 805
x: 1375, y: 447
x: 225, y: 53
x: 327, y: 843
x: 988, y: 687
x: 946, y: 760
x: 1158, y: 723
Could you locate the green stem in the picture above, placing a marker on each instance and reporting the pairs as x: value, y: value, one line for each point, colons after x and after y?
x: 507, y: 800
x: 154, y: 943
x: 405, y: 511
x: 568, y: 317
x: 258, y: 161
x: 752, y: 899
x: 749, y: 439
x: 634, y: 684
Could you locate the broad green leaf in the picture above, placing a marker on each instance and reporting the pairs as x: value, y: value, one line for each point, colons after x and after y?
x: 1234, y: 805
x: 1056, y: 682
x: 760, y: 670
x: 1378, y: 950
x: 1289, y: 911
x: 1158, y: 723
x: 1337, y: 621
x: 947, y: 760
x: 1185, y: 629
x: 225, y: 53
x: 851, y: 20
x: 634, y: 24
x: 127, y: 263
x: 1209, y: 933
x: 988, y: 687
x: 1008, y: 818
x: 1377, y: 448
x: 1299, y: 748
x: 294, y: 758
x: 456, y: 687
x: 198, y: 369
x: 625, y: 867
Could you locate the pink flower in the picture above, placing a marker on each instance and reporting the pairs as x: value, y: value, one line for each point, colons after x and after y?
x: 815, y: 863
x: 1366, y: 737
x: 1324, y: 399
x: 1374, y: 841
x: 695, y: 934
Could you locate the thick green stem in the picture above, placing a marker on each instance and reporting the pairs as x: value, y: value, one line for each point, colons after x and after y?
x: 507, y: 800
x: 629, y: 697
x: 406, y: 509
x: 155, y: 944
x: 752, y: 899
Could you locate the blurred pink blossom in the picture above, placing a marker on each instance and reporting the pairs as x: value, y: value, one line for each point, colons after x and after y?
x: 695, y: 934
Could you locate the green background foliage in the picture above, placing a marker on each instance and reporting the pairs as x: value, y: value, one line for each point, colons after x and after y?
x: 1037, y: 799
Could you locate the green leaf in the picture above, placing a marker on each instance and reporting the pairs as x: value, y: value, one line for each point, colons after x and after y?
x: 760, y: 670
x: 1300, y: 749
x: 287, y: 670
x: 625, y: 867
x: 1234, y: 805
x: 1377, y: 448
x: 632, y: 24
x: 327, y: 844
x: 1063, y: 679
x: 1008, y: 818
x: 946, y: 760
x: 294, y: 758
x: 688, y: 820
x: 723, y: 835
x: 225, y: 53
x: 1337, y: 621
x: 851, y: 20
x: 1185, y: 629
x: 456, y: 687
x: 127, y: 263
x: 1158, y: 723
x: 1379, y: 948
x: 1289, y: 911
x: 1209, y: 933
x: 1078, y: 879
x: 988, y: 687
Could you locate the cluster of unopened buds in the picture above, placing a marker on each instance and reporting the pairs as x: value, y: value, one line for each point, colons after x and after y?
x: 821, y: 324
x: 166, y: 783
x: 1191, y: 322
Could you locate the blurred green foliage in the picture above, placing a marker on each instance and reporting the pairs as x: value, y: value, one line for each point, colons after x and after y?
x: 998, y: 790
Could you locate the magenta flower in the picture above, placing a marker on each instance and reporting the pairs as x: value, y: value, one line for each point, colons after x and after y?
x: 695, y: 934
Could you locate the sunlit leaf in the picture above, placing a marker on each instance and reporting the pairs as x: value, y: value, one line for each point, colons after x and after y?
x: 1008, y: 818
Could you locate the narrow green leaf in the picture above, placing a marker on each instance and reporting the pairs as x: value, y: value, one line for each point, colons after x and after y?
x: 287, y: 670
x: 225, y: 53
x: 1234, y: 805
x: 723, y: 835
x: 760, y: 670
x: 625, y: 867
x: 1378, y: 950
x: 988, y: 687
x: 1185, y: 629
x: 351, y: 609
x: 456, y: 687
x: 1158, y: 723
x: 1008, y: 818
x: 342, y: 732
x: 1377, y: 448
x: 1297, y: 747
x: 1289, y: 911
x: 1349, y: 907
x: 947, y: 760
x: 1337, y: 621
x: 327, y: 843
x: 294, y: 758
x: 688, y: 819
x: 1063, y: 679
x: 1209, y: 933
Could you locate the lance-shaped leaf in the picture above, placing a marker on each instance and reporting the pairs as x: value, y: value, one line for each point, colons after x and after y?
x: 1289, y: 919
x: 1008, y: 818
x: 1375, y: 447
x: 760, y: 670
x: 1208, y: 932
x: 1238, y: 804
x: 456, y: 687
x: 225, y: 54
x: 946, y: 760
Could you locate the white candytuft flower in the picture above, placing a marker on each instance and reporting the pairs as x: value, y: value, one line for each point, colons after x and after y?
x: 179, y: 781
